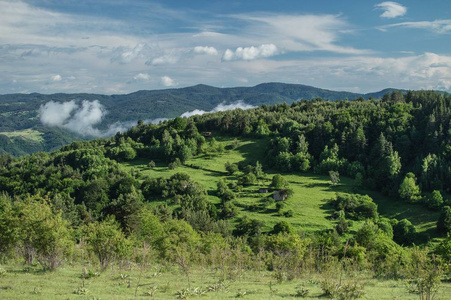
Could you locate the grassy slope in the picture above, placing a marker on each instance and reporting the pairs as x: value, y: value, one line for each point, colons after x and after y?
x: 26, y: 134
x: 311, y: 191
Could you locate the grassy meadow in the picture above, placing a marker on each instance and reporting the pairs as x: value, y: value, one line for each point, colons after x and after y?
x: 310, y: 200
x: 162, y: 282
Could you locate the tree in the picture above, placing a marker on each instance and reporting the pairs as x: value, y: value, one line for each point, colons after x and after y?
x: 151, y: 164
x: 282, y: 227
x: 409, y: 190
x: 258, y: 170
x: 44, y: 232
x: 404, y: 232
x: 436, y: 200
x: 334, y: 177
x: 444, y: 220
x: 278, y: 182
x: 247, y: 179
x: 106, y: 241
x: 231, y: 168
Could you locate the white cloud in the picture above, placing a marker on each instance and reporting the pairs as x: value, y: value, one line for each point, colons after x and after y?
x: 167, y: 81
x: 80, y: 118
x: 391, y: 9
x: 193, y: 113
x: 125, y: 56
x: 163, y: 60
x: 56, y: 78
x: 220, y: 107
x: 142, y: 77
x: 300, y: 33
x: 438, y: 26
x: 205, y: 50
x: 250, y: 53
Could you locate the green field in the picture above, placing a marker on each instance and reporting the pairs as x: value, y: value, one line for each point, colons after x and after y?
x: 27, y: 134
x: 312, y: 192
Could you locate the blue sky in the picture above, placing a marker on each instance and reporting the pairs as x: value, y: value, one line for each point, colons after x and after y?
x: 116, y: 47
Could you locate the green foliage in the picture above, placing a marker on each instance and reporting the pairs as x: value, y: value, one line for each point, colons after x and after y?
x: 409, y: 190
x: 247, y: 179
x: 425, y: 274
x: 249, y: 227
x: 106, y: 241
x: 404, y: 232
x: 356, y: 207
x: 176, y: 234
x: 231, y: 168
x: 278, y: 182
x: 334, y: 177
x: 435, y: 201
x: 444, y: 220
x: 151, y: 164
x: 283, y: 227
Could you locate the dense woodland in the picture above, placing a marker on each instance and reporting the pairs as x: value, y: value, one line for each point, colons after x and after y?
x: 54, y: 203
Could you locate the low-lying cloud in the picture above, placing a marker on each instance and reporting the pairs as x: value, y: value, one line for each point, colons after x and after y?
x: 82, y: 117
x: 250, y: 53
x: 221, y: 107
x: 78, y: 117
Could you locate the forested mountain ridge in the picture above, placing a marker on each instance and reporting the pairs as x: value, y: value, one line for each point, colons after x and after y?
x: 19, y: 112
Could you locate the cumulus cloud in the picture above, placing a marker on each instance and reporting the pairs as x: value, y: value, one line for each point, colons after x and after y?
x: 205, y: 50
x: 56, y: 78
x: 220, y: 107
x: 391, y: 9
x: 142, y: 77
x: 251, y: 53
x: 78, y: 117
x: 167, y: 81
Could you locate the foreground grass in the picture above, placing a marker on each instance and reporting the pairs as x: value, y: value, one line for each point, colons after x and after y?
x: 312, y: 192
x: 159, y: 282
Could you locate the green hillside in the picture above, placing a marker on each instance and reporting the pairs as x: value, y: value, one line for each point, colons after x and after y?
x: 335, y: 199
x: 311, y: 192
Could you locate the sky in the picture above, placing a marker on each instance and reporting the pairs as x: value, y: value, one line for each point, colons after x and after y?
x: 118, y: 47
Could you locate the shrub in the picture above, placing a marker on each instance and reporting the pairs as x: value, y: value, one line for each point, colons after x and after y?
x: 404, y: 232
x: 356, y: 207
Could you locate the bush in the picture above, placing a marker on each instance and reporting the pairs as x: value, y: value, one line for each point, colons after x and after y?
x: 247, y: 179
x: 404, y: 232
x: 289, y: 213
x: 435, y: 201
x: 356, y: 207
x: 282, y: 227
x: 278, y: 182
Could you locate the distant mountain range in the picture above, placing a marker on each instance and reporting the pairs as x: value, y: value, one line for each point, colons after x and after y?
x: 20, y: 112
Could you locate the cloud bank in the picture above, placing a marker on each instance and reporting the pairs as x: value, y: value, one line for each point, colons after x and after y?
x: 391, y: 9
x: 220, y: 107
